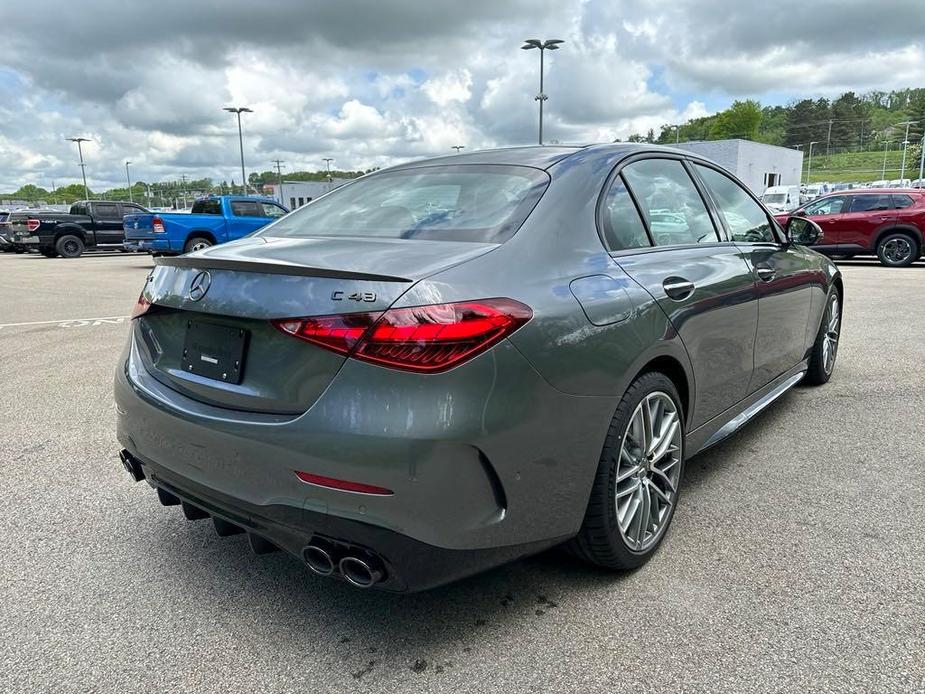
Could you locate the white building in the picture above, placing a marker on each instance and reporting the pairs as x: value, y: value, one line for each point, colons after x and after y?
x: 757, y: 165
x: 296, y: 193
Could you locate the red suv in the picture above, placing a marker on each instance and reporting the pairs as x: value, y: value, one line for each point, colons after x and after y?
x: 888, y: 223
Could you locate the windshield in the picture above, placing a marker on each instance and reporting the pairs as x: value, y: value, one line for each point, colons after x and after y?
x: 480, y: 203
x: 774, y: 198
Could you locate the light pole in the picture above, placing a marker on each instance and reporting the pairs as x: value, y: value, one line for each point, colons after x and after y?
x: 883, y: 172
x: 327, y: 162
x: 902, y: 170
x: 458, y: 147
x: 677, y: 134
x: 552, y: 45
x: 83, y: 170
x: 128, y: 182
x: 922, y: 163
x: 239, y: 111
x: 809, y: 170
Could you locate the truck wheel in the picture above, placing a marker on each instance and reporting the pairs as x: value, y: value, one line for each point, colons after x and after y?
x: 197, y: 243
x: 897, y: 250
x: 69, y: 246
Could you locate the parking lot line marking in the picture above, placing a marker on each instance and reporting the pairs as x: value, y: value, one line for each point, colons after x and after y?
x: 69, y: 322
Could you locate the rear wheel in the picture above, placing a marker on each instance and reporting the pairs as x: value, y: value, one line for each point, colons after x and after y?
x: 69, y: 246
x: 825, y: 349
x: 638, y: 478
x: 897, y: 250
x: 197, y: 243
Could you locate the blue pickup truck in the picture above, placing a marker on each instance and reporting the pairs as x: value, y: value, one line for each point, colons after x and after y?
x: 213, y: 220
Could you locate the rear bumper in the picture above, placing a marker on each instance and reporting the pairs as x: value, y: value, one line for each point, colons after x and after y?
x: 409, y: 565
x: 151, y: 244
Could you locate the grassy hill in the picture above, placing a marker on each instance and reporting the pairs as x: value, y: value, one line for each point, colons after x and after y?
x: 861, y: 166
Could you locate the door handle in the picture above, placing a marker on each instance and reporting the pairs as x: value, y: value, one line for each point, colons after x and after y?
x: 766, y: 274
x: 678, y: 288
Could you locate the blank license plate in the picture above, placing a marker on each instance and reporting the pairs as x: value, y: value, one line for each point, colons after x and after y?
x: 214, y: 351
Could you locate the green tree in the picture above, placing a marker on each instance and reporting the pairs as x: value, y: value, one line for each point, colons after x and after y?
x: 739, y: 120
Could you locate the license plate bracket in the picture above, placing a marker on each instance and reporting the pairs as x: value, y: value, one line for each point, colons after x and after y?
x: 214, y: 351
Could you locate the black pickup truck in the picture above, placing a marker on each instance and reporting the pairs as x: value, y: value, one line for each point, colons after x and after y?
x: 89, y: 224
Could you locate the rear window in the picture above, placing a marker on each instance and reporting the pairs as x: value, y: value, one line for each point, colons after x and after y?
x: 479, y: 203
x: 207, y: 207
x: 870, y: 203
x: 902, y: 201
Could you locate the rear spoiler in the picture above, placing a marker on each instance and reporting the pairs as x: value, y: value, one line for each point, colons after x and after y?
x: 200, y: 263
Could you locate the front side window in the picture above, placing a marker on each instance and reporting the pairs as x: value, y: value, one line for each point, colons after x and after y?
x: 622, y: 226
x: 479, y: 203
x: 870, y: 203
x: 819, y: 208
x: 746, y: 219
x: 271, y: 210
x: 672, y: 207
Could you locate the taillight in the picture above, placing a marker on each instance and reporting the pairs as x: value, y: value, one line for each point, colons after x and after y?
x: 32, y: 224
x: 141, y: 306
x: 420, y: 338
x: 158, y: 225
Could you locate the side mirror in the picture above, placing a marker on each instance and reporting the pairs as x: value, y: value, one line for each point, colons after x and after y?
x: 803, y: 231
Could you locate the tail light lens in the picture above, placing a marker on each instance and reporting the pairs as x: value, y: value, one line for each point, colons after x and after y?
x: 158, y: 225
x: 426, y: 339
x: 141, y: 306
x: 32, y: 224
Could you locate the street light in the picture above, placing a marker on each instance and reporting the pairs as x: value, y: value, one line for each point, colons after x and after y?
x: 809, y: 169
x: 902, y: 170
x: 327, y: 162
x: 552, y: 45
x: 239, y: 111
x: 128, y: 182
x: 83, y: 170
x: 458, y: 147
x: 922, y: 162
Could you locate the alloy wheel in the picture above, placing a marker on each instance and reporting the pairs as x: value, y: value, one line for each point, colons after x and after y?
x: 648, y: 471
x: 199, y: 246
x: 830, y: 339
x: 897, y: 250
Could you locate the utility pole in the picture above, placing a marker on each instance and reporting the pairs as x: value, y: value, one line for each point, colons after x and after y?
x: 902, y: 170
x: 828, y: 138
x: 83, y: 169
x: 327, y: 161
x: 551, y: 45
x: 239, y: 111
x: 883, y: 172
x: 922, y: 163
x: 279, y: 178
x: 183, y: 178
x: 809, y: 170
x: 54, y: 192
x: 128, y: 182
x: 677, y: 134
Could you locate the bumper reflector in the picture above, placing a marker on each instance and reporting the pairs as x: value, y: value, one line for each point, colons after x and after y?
x: 342, y: 485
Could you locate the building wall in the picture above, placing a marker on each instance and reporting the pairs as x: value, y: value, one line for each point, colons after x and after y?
x: 297, y: 193
x: 751, y: 161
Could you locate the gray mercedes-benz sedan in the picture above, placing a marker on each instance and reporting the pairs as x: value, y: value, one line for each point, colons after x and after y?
x: 449, y: 364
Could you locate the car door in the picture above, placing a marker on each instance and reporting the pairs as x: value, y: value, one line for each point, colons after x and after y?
x: 784, y: 276
x: 827, y: 213
x: 108, y: 219
x: 865, y: 215
x: 248, y: 217
x: 698, y: 278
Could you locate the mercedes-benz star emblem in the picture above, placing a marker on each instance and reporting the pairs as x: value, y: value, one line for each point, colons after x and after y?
x: 200, y: 285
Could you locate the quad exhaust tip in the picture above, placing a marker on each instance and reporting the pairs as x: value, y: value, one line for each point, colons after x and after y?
x: 132, y: 466
x: 319, y: 560
x: 359, y: 572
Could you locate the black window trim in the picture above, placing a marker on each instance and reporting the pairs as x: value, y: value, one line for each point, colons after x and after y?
x: 776, y: 229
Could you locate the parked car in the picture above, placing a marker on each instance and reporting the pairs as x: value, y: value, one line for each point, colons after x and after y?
x: 6, y: 235
x: 212, y: 220
x: 918, y: 183
x: 814, y: 191
x: 450, y: 364
x: 782, y: 198
x: 900, y: 183
x: 888, y: 223
x: 89, y: 224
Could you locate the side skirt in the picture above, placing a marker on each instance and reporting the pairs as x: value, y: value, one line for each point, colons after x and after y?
x: 733, y: 419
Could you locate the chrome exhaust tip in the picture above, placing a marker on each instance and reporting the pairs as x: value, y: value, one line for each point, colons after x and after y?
x: 319, y: 560
x: 359, y: 572
x: 132, y: 466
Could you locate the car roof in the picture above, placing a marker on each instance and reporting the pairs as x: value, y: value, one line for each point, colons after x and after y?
x: 867, y: 191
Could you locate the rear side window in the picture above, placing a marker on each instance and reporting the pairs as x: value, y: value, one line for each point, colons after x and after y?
x: 246, y: 208
x: 479, y: 203
x: 826, y: 206
x: 746, y: 219
x: 208, y: 206
x: 622, y: 225
x: 870, y: 203
x: 902, y: 201
x: 672, y: 207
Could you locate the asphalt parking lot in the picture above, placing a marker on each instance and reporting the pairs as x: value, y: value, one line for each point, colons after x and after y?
x: 796, y: 561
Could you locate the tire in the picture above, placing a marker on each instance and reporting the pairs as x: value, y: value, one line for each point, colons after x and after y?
x: 821, y: 361
x: 897, y: 249
x: 602, y: 540
x: 69, y: 246
x: 196, y: 243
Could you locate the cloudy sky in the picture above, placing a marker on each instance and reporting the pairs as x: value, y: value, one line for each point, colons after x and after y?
x: 372, y: 82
